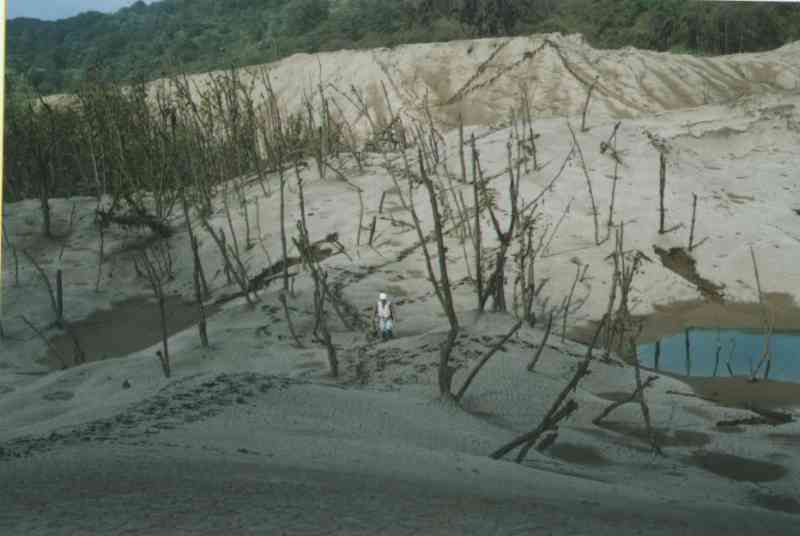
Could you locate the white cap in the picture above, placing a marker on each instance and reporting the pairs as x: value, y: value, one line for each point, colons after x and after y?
x: 382, y: 296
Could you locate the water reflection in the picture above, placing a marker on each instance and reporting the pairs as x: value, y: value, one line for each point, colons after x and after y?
x: 729, y: 352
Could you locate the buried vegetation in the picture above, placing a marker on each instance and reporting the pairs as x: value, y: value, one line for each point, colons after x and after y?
x: 479, y: 223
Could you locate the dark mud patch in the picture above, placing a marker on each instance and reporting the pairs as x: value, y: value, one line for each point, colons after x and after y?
x: 699, y: 412
x: 129, y: 326
x: 730, y: 429
x: 677, y: 260
x: 740, y: 392
x: 737, y: 467
x: 762, y: 416
x: 615, y: 439
x: 59, y: 396
x: 614, y: 396
x: 578, y: 454
x: 675, y: 317
x: 785, y: 440
x: 776, y: 503
x: 183, y: 401
x: 664, y: 437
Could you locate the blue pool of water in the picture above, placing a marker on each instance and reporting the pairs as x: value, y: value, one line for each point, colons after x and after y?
x: 721, y: 352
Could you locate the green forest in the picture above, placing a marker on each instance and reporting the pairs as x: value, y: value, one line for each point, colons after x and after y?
x: 144, y: 41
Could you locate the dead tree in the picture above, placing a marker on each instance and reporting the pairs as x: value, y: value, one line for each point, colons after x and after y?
x: 496, y: 284
x: 238, y: 275
x: 623, y: 324
x: 289, y: 323
x: 477, y: 189
x: 442, y: 286
x: 578, y: 277
x: 694, y: 219
x: 611, y: 147
x: 101, y: 227
x: 155, y: 271
x: 651, y: 434
x: 662, y: 185
x: 461, y: 159
x: 7, y: 242
x: 198, y: 279
x: 542, y: 345
x: 586, y: 103
x: 59, y: 318
x: 766, y: 321
x: 526, y: 262
x: 284, y: 245
x: 56, y: 303
x: 585, y: 169
x: 321, y: 332
x: 236, y: 258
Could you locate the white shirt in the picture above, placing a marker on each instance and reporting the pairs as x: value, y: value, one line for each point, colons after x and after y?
x: 384, y: 309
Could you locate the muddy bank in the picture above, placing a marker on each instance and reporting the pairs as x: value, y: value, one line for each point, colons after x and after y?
x: 677, y: 316
x: 129, y: 326
x: 682, y: 263
x: 740, y: 391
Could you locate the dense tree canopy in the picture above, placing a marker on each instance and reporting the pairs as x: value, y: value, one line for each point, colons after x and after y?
x: 143, y: 41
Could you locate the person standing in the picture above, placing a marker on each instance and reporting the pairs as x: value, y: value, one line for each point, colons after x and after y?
x: 384, y: 316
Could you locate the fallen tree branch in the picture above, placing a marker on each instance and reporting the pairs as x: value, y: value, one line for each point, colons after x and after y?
x: 486, y: 359
x: 581, y: 371
x: 639, y: 388
x: 46, y: 341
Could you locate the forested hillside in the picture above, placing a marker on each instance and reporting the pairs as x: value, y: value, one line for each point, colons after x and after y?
x: 143, y: 41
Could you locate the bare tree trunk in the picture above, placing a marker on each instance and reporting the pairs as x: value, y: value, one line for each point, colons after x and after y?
x: 284, y: 247
x: 202, y: 327
x: 765, y: 356
x: 476, y: 190
x: 586, y: 104
x: 597, y: 240
x: 694, y: 218
x: 445, y: 289
x: 651, y: 435
x: 539, y: 350
x: 155, y: 272
x: 497, y: 280
x: 100, y: 257
x: 46, y: 280
x: 44, y: 201
x: 164, y: 357
x: 614, y: 182
x: 662, y: 184
x: 569, y: 302
x: 461, y: 149
x: 289, y: 323
x: 197, y: 277
x: 60, y: 295
x: 13, y: 249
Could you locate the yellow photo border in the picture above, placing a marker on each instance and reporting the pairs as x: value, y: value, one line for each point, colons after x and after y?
x: 2, y: 136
